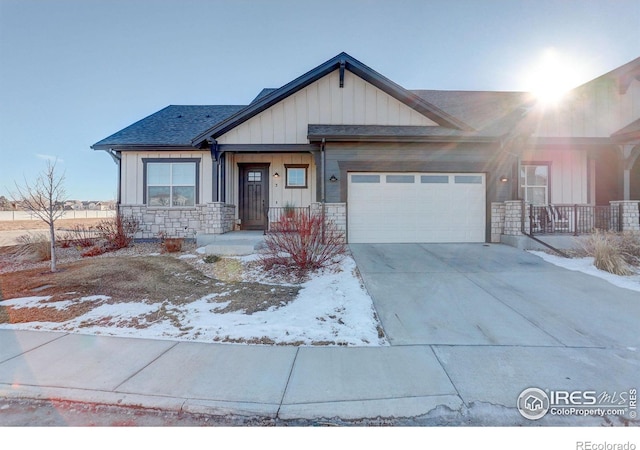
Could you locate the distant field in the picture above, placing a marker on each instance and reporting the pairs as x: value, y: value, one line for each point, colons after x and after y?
x: 16, y: 225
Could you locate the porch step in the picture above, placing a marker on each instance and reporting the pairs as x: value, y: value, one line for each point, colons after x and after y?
x: 235, y: 243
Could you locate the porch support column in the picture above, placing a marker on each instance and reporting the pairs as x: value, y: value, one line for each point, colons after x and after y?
x: 626, y: 184
x: 628, y: 213
x: 215, y: 171
x: 630, y: 153
x: 515, y: 214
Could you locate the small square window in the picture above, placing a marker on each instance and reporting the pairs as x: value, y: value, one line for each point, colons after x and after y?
x: 296, y: 176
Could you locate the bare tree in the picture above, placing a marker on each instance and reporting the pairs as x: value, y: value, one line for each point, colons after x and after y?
x: 45, y: 199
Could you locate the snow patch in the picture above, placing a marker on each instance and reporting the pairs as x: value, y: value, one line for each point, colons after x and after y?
x: 585, y: 265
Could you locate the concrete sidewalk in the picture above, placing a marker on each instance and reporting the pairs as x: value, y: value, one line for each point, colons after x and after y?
x: 302, y: 382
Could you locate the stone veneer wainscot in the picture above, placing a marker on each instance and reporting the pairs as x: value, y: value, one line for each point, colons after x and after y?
x: 209, y: 218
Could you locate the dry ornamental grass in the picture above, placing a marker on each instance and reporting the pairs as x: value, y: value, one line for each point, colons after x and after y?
x: 614, y: 252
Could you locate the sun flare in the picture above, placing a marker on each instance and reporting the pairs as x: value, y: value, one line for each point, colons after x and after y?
x: 552, y: 77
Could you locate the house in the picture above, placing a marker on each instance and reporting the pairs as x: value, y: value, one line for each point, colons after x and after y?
x: 384, y: 163
x: 533, y: 403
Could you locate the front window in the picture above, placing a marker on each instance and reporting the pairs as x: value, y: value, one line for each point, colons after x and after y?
x: 534, y: 179
x: 171, y: 184
x: 296, y: 176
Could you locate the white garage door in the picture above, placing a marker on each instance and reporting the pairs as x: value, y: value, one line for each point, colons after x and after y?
x: 416, y: 207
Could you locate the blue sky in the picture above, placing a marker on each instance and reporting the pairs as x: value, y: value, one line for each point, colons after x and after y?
x: 73, y: 72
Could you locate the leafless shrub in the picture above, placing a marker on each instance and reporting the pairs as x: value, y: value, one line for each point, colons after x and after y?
x: 172, y: 245
x: 302, y: 243
x: 118, y: 231
x: 79, y: 236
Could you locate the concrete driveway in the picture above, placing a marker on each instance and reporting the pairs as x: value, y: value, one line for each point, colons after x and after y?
x: 500, y: 320
x: 479, y: 294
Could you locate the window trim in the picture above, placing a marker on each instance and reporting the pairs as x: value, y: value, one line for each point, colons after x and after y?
x: 145, y: 186
x: 296, y: 166
x: 523, y: 187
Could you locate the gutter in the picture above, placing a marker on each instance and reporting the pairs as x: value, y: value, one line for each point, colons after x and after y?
x: 378, y: 138
x: 142, y: 147
x: 323, y: 188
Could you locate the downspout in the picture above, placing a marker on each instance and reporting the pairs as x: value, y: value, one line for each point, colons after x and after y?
x: 323, y: 193
x: 215, y: 157
x: 118, y: 160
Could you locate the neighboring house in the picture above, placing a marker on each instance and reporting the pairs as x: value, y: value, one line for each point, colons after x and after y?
x: 385, y: 163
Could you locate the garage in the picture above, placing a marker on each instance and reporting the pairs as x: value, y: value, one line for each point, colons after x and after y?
x: 390, y: 207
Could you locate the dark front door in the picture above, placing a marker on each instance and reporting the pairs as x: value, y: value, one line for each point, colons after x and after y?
x: 254, y: 196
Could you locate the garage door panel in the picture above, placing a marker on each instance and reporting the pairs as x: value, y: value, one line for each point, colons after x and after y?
x: 418, y: 207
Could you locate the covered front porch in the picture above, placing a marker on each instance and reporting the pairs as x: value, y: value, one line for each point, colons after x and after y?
x: 523, y: 225
x: 265, y: 185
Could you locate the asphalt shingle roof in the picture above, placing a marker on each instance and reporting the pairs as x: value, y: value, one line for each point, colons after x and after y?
x: 173, y: 125
x: 492, y: 113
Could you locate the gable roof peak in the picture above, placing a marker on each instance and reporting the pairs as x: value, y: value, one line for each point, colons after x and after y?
x: 342, y: 61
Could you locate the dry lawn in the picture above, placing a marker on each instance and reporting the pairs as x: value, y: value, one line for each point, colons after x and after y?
x: 149, y: 279
x: 16, y: 225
